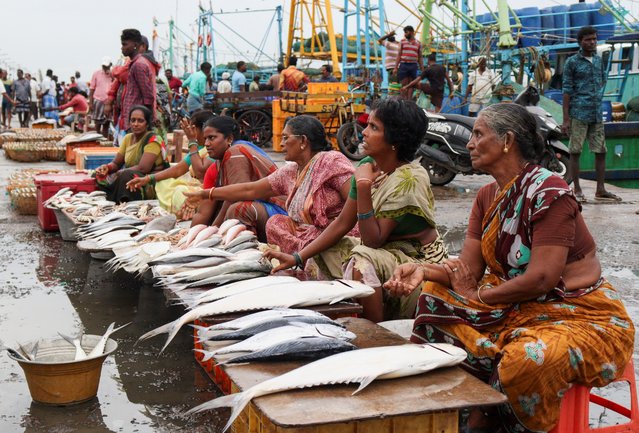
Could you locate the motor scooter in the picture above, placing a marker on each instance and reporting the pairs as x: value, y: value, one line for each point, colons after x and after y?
x: 444, y: 155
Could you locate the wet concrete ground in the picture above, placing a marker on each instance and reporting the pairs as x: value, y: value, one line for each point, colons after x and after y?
x: 47, y: 286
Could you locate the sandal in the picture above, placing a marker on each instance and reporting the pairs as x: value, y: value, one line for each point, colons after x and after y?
x: 607, y: 197
x: 581, y: 198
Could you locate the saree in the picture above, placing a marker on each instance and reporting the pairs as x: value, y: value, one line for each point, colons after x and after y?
x: 313, y: 199
x: 115, y: 184
x: 406, y: 191
x: 531, y: 351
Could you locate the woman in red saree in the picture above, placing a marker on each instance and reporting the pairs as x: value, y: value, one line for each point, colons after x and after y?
x: 526, y: 298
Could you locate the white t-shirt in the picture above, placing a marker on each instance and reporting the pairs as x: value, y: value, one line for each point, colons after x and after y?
x: 2, y: 89
x: 224, y: 86
x: 48, y: 86
x: 482, y: 86
x: 35, y: 88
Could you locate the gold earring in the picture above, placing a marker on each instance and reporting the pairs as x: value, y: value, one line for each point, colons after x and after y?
x: 505, y: 149
x: 302, y: 147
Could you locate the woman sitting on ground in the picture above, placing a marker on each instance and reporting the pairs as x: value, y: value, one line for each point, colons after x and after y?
x: 390, y: 198
x: 236, y: 161
x: 141, y: 153
x: 315, y: 182
x: 526, y: 298
x: 170, y: 183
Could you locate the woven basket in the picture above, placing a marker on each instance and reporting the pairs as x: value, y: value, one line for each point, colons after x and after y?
x: 54, y: 152
x: 23, y: 152
x: 24, y: 200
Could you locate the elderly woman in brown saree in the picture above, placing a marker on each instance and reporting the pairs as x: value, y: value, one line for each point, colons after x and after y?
x: 526, y: 298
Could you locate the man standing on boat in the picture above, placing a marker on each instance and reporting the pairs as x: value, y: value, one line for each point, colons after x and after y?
x: 409, y: 60
x: 583, y: 83
x: 480, y: 87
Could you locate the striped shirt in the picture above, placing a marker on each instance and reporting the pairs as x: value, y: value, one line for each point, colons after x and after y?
x: 392, y: 49
x: 409, y: 50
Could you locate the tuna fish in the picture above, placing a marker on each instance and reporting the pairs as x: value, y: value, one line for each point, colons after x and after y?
x: 304, y: 294
x: 361, y: 366
x: 303, y: 348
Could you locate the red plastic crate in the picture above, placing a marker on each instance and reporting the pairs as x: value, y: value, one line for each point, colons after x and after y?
x: 48, y: 184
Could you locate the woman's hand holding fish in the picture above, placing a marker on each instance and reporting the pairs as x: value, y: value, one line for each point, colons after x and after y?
x: 461, y: 278
x: 287, y: 261
x: 405, y: 279
x: 137, y: 183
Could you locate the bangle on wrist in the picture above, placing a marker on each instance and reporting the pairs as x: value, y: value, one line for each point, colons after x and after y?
x: 152, y: 179
x: 483, y: 286
x: 364, y: 180
x: 195, y: 152
x: 211, y: 193
x: 299, y: 263
x: 367, y: 215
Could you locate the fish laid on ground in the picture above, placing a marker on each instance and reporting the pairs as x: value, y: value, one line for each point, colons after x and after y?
x: 361, y: 366
x: 302, y: 348
x: 274, y: 336
x: 207, y: 261
x: 222, y: 279
x: 211, y: 241
x: 202, y: 235
x: 303, y: 294
x: 245, y: 236
x: 163, y: 223
x: 241, y: 334
x: 243, y: 246
x: 77, y: 342
x: 233, y: 232
x: 98, y: 349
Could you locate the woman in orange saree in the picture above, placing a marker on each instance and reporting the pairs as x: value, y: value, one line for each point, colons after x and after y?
x: 526, y: 298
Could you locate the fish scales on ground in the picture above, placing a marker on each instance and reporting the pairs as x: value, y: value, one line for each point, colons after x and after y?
x: 302, y: 348
x: 361, y: 366
x: 305, y: 293
x: 279, y: 335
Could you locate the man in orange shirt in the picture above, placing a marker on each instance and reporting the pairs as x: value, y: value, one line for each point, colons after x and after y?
x: 292, y: 79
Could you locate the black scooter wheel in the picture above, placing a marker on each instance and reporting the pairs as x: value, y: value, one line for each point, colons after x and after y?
x: 439, y: 175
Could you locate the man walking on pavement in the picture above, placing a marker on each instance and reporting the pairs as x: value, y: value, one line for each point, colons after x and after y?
x: 583, y: 83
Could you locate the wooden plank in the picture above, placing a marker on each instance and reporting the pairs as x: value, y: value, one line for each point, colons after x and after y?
x: 443, y: 391
x: 178, y: 139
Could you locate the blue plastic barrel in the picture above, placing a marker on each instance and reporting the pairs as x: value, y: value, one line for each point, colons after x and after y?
x: 606, y: 111
x: 579, y: 17
x: 547, y: 26
x: 555, y: 95
x: 561, y: 23
x: 605, y: 24
x: 531, y: 26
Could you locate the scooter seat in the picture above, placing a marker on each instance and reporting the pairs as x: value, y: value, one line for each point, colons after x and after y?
x: 458, y: 118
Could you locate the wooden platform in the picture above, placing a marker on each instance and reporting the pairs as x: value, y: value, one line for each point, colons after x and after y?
x: 426, y: 403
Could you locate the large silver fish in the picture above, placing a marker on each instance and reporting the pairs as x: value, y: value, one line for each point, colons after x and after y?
x: 302, y: 348
x: 280, y: 335
x: 361, y: 366
x: 239, y: 287
x: 263, y: 316
x: 77, y: 343
x: 240, y: 334
x: 189, y: 255
x: 304, y: 294
x: 234, y: 266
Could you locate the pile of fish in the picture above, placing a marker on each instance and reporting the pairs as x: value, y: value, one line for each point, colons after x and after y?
x: 84, y: 208
x: 262, y: 294
x: 80, y: 353
x: 276, y: 334
x: 202, y: 256
x: 361, y: 366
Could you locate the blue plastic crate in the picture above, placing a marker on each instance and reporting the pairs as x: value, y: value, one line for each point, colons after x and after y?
x: 91, y: 162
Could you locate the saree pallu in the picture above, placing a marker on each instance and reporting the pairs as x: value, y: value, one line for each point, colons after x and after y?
x: 531, y: 351
x: 406, y: 191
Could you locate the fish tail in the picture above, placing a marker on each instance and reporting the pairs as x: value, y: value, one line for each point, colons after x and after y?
x: 164, y: 329
x: 237, y: 403
x: 207, y: 355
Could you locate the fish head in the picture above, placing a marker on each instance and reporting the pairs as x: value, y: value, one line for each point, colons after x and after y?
x: 333, y: 331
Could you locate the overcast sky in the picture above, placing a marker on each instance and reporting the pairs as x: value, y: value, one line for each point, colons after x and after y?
x: 70, y: 35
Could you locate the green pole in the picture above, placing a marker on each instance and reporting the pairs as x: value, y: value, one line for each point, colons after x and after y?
x: 426, y: 41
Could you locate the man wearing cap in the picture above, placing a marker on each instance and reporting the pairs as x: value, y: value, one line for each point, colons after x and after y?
x: 98, y: 91
x: 224, y: 86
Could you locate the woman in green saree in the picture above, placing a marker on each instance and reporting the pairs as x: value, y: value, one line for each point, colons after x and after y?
x: 391, y: 200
